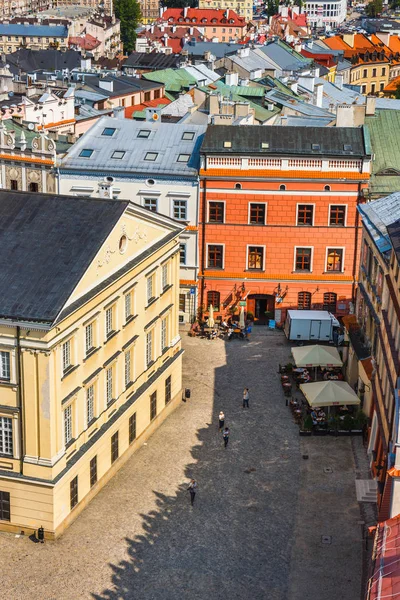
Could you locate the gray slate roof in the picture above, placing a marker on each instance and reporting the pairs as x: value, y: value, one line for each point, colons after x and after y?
x: 394, y: 234
x: 378, y: 215
x: 247, y: 139
x: 47, y: 242
x: 30, y: 61
x: 165, y: 140
x: 152, y: 60
x: 218, y: 50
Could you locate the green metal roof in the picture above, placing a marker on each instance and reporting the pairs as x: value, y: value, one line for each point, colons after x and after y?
x: 384, y: 129
x: 174, y: 79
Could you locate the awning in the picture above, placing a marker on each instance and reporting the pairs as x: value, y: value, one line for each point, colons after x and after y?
x: 329, y: 393
x: 316, y: 356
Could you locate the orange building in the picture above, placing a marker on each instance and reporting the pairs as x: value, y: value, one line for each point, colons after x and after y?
x: 225, y: 25
x: 278, y: 225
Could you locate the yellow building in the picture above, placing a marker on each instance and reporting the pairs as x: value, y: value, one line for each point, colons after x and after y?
x: 243, y: 8
x: 90, y: 355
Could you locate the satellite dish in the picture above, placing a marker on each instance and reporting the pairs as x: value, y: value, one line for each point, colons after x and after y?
x: 31, y: 126
x: 10, y: 94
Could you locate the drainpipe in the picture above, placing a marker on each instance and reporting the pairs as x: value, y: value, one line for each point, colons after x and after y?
x: 356, y: 224
x: 203, y: 245
x: 20, y: 400
x: 193, y: 318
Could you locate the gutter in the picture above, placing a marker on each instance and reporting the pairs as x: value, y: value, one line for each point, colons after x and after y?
x: 203, y: 244
x: 20, y: 401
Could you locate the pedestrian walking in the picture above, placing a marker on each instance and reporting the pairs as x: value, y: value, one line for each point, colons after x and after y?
x: 225, y: 434
x: 192, y: 489
x: 246, y: 398
x: 221, y: 420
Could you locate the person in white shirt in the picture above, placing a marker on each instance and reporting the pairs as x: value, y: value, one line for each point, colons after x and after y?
x: 221, y: 420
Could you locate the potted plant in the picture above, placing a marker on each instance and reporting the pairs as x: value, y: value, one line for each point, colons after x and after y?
x: 250, y: 316
x: 306, y: 427
x: 346, y: 425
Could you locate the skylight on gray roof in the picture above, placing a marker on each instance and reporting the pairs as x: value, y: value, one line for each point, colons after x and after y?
x: 315, y: 147
x: 183, y: 158
x: 86, y: 153
x: 108, y: 131
x: 151, y: 156
x: 347, y: 147
x: 144, y: 133
x: 188, y: 135
x: 118, y: 154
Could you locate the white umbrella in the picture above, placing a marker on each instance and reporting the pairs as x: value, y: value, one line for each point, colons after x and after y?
x: 211, y: 321
x: 241, y: 317
x: 316, y: 356
x: 329, y: 393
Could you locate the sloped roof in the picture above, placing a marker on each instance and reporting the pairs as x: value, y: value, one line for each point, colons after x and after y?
x: 384, y: 127
x: 139, y: 110
x: 287, y: 140
x: 378, y: 215
x: 29, y: 61
x: 174, y: 79
x: 219, y: 50
x: 151, y: 60
x: 385, y: 581
x: 164, y: 140
x: 203, y: 16
x: 47, y: 243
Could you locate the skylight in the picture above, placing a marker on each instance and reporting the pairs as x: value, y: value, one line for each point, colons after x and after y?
x: 227, y: 144
x: 108, y: 131
x: 118, y: 154
x: 315, y: 147
x: 151, y: 156
x: 183, y: 158
x: 347, y: 147
x: 188, y: 135
x: 86, y: 153
x: 144, y: 133
x: 264, y: 145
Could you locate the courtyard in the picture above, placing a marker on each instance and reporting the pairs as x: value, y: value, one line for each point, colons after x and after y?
x: 266, y: 524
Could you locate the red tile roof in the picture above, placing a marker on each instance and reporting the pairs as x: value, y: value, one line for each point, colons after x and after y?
x: 88, y: 42
x: 170, y: 38
x: 385, y: 581
x: 149, y: 104
x: 202, y: 17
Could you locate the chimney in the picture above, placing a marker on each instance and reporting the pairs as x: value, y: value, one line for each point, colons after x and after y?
x: 307, y: 82
x: 294, y: 86
x: 106, y: 187
x: 318, y: 94
x: 231, y: 78
x: 185, y: 12
x: 384, y: 36
x: 370, y: 105
x: 227, y: 13
x: 349, y: 39
x: 119, y: 112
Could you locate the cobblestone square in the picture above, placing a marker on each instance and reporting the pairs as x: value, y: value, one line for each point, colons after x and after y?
x: 262, y: 517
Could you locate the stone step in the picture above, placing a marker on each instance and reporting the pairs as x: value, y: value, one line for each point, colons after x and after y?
x: 366, y: 490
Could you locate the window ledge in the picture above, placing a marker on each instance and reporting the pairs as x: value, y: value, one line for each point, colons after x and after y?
x: 110, y: 336
x: 90, y: 353
x: 7, y: 383
x: 129, y: 320
x: 167, y: 287
x: 255, y: 270
x: 301, y: 271
x: 67, y: 446
x: 111, y: 403
x: 9, y: 456
x: 151, y: 301
x: 69, y: 371
x: 150, y: 364
x: 129, y: 385
x: 214, y: 269
x: 333, y: 272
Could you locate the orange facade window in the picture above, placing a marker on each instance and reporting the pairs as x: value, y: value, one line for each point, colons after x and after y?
x: 304, y: 300
x: 216, y: 212
x: 303, y: 259
x: 334, y: 260
x: 305, y: 214
x: 257, y: 214
x: 213, y: 299
x: 337, y: 216
x: 330, y: 301
x: 255, y: 257
x: 215, y: 256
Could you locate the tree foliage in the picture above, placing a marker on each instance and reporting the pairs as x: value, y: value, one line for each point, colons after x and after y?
x: 179, y: 3
x: 374, y: 8
x: 397, y: 92
x: 128, y: 12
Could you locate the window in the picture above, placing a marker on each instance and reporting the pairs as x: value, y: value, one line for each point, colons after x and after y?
x: 150, y: 288
x: 213, y: 299
x: 164, y: 276
x: 334, y: 259
x: 6, y: 436
x: 182, y: 254
x: 216, y: 212
x: 257, y: 214
x: 118, y: 154
x: 109, y: 320
x: 304, y: 300
x: 282, y: 187
x: 132, y: 428
x: 149, y: 348
x: 89, y: 337
x: 153, y: 405
x: 337, y: 215
x: 73, y: 492
x: 383, y: 71
x: 215, y: 256
x: 150, y: 204
x: 109, y: 385
x: 372, y: 88
x: 68, y: 424
x: 151, y: 156
x: 86, y: 153
x: 90, y: 404
x: 373, y: 72
x: 182, y: 302
x: 168, y: 390
x: 255, y: 257
x: 365, y: 73
x: 227, y: 144
x: 33, y: 187
x: 188, y: 135
x: 108, y: 131
x: 14, y: 185
x: 330, y: 302
x: 180, y: 210
x: 303, y: 259
x: 5, y: 365
x: 114, y: 447
x: 305, y: 214
x: 143, y: 133
x: 5, y: 513
x: 183, y: 158
x: 128, y: 367
x: 66, y: 355
x: 147, y: 96
x: 164, y: 334
x: 128, y: 305
x: 238, y: 186
x: 93, y: 471
x: 156, y: 94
